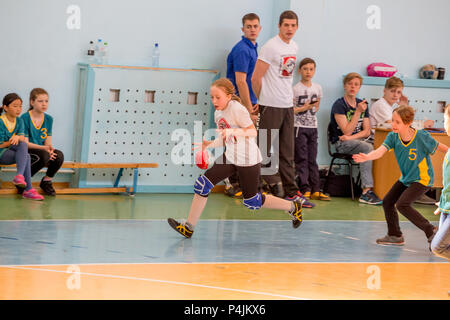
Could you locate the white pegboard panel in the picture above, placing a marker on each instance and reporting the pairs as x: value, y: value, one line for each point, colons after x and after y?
x: 130, y: 116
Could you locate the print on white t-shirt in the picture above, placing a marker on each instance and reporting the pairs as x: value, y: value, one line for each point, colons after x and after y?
x: 287, y: 66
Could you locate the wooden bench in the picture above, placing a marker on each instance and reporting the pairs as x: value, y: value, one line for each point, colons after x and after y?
x: 79, y: 165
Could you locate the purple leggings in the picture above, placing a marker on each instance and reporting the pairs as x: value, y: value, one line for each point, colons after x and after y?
x: 18, y: 154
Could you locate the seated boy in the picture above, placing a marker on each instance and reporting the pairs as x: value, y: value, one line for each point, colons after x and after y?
x: 350, y: 128
x: 381, y: 110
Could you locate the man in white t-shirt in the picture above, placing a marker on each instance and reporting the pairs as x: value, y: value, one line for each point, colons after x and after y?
x: 272, y: 83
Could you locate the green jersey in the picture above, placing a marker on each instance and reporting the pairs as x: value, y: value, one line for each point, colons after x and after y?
x: 7, y: 132
x: 444, y: 203
x: 413, y: 158
x: 37, y: 135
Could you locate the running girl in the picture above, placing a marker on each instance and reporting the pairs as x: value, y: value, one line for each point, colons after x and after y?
x: 242, y: 155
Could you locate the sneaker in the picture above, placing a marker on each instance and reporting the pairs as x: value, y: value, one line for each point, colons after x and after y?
x: 296, y: 214
x: 32, y: 194
x: 180, y: 227
x: 430, y: 238
x: 299, y: 196
x: 320, y: 196
x: 391, y: 240
x: 307, y: 195
x: 47, y: 187
x: 370, y: 198
x: 19, y: 181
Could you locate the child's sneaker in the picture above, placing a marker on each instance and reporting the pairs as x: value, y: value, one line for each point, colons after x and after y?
x: 391, y: 240
x: 180, y: 227
x: 32, y: 194
x: 307, y: 195
x: 19, y: 181
x: 299, y: 196
x: 296, y: 213
x: 47, y: 187
x: 370, y: 198
x: 319, y: 196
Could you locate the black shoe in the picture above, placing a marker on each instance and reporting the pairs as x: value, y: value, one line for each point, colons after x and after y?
x: 47, y: 187
x: 277, y: 189
x: 180, y: 227
x: 20, y: 190
x: 296, y: 214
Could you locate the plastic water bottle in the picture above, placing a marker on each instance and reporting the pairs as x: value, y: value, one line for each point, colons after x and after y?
x: 98, y: 46
x: 91, y: 53
x: 155, y: 56
x: 105, y: 53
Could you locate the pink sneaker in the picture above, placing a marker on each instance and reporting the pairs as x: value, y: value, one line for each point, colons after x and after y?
x: 19, y: 181
x: 32, y: 194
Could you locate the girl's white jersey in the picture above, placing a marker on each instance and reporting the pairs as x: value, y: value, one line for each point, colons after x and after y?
x: 240, y: 151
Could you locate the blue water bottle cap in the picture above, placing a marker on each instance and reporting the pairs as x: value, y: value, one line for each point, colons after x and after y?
x: 156, y: 44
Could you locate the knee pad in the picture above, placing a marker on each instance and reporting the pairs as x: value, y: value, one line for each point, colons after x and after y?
x: 255, y: 202
x: 203, y: 186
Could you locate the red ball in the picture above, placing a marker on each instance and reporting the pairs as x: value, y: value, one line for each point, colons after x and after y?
x: 202, y: 159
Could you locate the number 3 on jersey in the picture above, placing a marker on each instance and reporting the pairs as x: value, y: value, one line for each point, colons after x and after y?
x: 44, y: 133
x: 412, y: 154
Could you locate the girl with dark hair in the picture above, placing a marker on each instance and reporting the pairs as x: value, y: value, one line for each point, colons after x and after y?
x: 13, y: 148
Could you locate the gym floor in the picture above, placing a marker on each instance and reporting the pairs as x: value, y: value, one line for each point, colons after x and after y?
x: 121, y: 247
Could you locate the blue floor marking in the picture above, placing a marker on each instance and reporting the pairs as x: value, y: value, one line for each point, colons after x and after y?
x: 214, y: 241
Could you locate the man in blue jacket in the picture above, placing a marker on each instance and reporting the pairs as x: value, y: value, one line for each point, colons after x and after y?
x: 240, y: 65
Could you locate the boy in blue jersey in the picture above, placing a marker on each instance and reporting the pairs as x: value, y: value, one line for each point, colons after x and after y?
x: 412, y: 150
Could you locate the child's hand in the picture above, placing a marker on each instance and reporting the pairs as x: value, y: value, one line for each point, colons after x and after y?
x: 437, y: 211
x: 362, y: 106
x: 307, y: 105
x: 15, y: 139
x: 226, y: 133
x: 344, y: 138
x: 404, y: 100
x: 202, y: 145
x: 428, y: 124
x: 360, y: 157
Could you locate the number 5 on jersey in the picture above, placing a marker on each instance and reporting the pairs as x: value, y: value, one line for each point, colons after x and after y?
x: 412, y: 154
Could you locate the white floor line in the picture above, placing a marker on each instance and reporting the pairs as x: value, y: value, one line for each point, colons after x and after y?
x: 166, y: 282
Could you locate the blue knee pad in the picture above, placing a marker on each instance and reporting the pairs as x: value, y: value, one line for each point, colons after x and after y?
x: 255, y: 202
x: 203, y: 186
